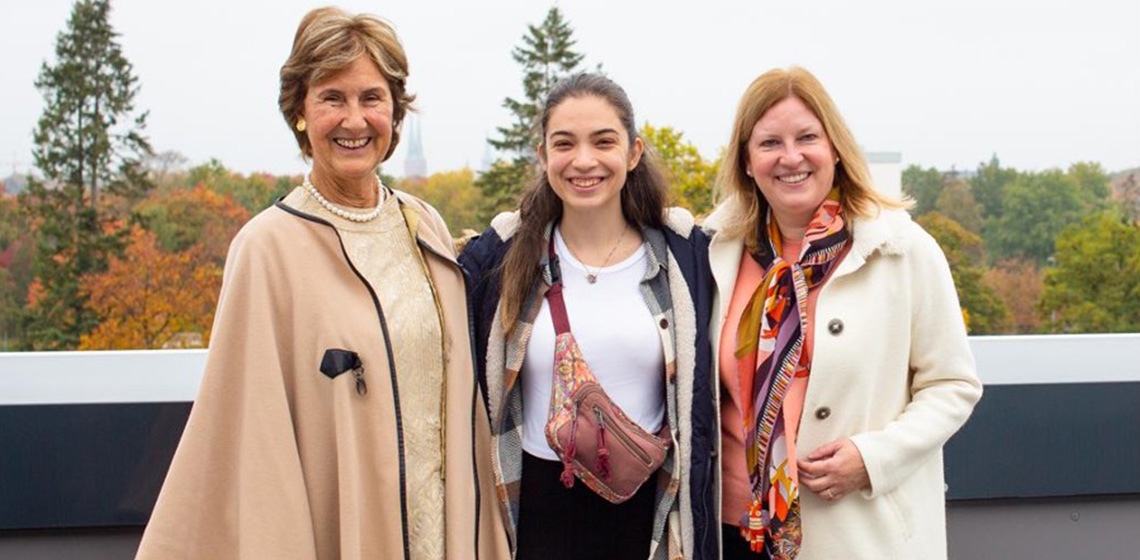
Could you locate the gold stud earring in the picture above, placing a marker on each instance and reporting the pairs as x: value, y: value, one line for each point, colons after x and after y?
x: 301, y: 124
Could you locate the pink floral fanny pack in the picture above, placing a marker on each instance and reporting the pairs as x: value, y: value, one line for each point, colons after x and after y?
x: 596, y: 441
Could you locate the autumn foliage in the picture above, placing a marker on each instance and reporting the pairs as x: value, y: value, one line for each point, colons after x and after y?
x: 1019, y: 283
x: 150, y: 298
x: 200, y: 216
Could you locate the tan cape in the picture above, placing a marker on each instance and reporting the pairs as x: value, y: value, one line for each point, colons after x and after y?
x: 278, y: 461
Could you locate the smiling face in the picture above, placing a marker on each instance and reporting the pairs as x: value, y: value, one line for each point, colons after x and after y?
x: 349, y: 124
x: 792, y: 162
x: 587, y: 154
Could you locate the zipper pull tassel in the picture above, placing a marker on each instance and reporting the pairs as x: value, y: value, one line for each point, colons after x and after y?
x: 603, y: 462
x: 361, y: 386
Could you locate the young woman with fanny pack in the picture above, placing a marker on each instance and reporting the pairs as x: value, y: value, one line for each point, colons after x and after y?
x: 591, y: 307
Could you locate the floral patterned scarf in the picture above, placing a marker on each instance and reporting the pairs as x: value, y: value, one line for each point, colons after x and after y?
x: 771, y: 334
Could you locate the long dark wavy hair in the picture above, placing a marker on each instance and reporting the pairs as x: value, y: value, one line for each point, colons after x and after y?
x: 642, y: 198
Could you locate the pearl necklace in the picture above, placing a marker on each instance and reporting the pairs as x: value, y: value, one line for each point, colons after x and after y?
x: 592, y: 275
x: 337, y: 210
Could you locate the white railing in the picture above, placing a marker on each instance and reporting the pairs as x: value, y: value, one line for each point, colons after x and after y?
x: 173, y: 375
x: 1057, y: 358
x: 100, y: 377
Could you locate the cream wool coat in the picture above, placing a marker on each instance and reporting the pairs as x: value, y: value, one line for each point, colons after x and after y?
x: 892, y: 370
x: 279, y: 461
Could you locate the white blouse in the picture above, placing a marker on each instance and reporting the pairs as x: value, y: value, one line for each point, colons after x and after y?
x: 618, y: 338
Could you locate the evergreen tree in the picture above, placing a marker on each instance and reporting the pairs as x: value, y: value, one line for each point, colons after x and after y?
x: 546, y: 55
x: 988, y: 186
x: 90, y: 151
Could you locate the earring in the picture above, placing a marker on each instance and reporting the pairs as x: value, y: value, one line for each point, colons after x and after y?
x: 748, y: 172
x: 301, y: 124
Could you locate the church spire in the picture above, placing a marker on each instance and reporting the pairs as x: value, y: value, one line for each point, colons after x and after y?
x: 415, y: 164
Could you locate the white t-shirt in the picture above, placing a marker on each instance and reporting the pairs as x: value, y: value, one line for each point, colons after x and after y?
x: 618, y: 338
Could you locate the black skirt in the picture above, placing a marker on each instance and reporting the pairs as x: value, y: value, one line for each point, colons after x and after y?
x: 556, y: 522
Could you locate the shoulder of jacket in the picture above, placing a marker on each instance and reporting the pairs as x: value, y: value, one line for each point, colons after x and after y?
x: 426, y: 222
x: 485, y: 249
x: 421, y: 207
x: 271, y: 223
x: 890, y: 232
x: 725, y: 212
x: 680, y: 221
x: 506, y: 224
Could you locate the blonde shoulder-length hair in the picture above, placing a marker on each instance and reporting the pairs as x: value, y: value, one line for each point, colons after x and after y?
x: 852, y: 176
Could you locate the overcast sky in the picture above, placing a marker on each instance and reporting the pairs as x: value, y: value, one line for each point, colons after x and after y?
x: 1041, y: 83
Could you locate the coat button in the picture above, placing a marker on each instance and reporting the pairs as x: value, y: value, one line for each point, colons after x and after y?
x: 664, y: 323
x: 822, y: 413
x: 835, y: 326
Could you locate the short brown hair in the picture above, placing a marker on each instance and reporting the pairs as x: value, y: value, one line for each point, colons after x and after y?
x: 852, y: 176
x: 329, y: 40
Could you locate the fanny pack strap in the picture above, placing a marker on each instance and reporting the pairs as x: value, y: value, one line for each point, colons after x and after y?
x: 554, y: 294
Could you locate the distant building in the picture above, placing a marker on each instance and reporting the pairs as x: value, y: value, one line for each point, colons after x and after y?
x: 14, y: 184
x: 886, y: 171
x: 415, y: 164
x: 488, y: 158
x: 955, y: 173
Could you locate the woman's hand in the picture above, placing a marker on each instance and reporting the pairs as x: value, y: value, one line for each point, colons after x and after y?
x: 834, y: 470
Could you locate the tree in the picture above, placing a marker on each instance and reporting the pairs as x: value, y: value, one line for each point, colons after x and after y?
x: 1036, y: 207
x: 16, y: 273
x: 1092, y: 186
x: 546, y: 55
x: 11, y: 308
x: 454, y: 194
x: 1095, y: 284
x: 150, y: 298
x: 1126, y: 191
x: 1018, y: 283
x: 90, y: 134
x: 501, y: 187
x: 964, y: 251
x: 988, y: 186
x: 922, y: 185
x: 255, y: 192
x: 164, y: 168
x: 199, y: 217
x: 88, y: 143
x: 691, y: 178
x: 957, y: 203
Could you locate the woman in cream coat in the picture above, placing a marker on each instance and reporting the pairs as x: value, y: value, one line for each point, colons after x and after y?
x: 858, y: 396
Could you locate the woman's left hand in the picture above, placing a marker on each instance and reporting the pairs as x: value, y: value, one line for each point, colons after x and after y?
x: 834, y: 470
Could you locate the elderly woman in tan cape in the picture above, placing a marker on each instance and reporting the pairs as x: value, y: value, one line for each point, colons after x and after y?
x: 338, y: 417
